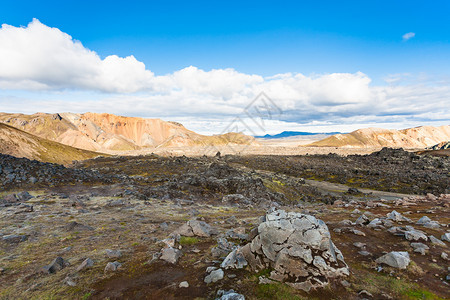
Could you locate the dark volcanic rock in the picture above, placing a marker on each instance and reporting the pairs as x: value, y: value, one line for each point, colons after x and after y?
x: 56, y: 265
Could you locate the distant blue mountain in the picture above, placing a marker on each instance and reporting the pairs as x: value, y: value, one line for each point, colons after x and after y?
x: 292, y: 133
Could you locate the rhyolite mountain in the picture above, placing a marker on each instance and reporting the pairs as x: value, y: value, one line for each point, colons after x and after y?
x: 104, y: 132
x: 417, y: 137
x: 19, y: 143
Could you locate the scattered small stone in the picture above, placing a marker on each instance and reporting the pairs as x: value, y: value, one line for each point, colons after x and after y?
x: 353, y: 191
x: 237, y: 233
x: 214, y: 276
x: 23, y: 208
x: 115, y: 203
x: 365, y: 293
x: 397, y: 217
x: 14, y: 238
x: 362, y: 220
x: 231, y: 220
x: 415, y: 235
x: 195, y: 228
x: 358, y: 232
x: 420, y: 248
x: 112, y: 266
x: 446, y: 237
x: 23, y: 196
x: 74, y: 226
x: 229, y: 295
x: 359, y: 245
x: 156, y: 256
x: 56, y: 265
x: 345, y: 283
x: 235, y: 260
x: 210, y: 269
x: 386, y: 296
x: 184, y: 284
x: 87, y: 263
x: 345, y: 223
x: 423, y: 220
x: 164, y: 226
x: 375, y: 223
x: 113, y: 253
x: 70, y: 281
x: 436, y: 241
x: 171, y: 255
x: 364, y: 253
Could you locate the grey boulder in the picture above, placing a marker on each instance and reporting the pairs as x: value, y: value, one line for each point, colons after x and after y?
x: 399, y: 260
x: 214, y: 276
x: 171, y: 255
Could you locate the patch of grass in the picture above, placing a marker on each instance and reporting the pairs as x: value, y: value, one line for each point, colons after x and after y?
x: 264, y: 272
x: 86, y: 296
x: 186, y: 240
x: 375, y: 283
x: 420, y: 294
x: 279, y: 182
x: 278, y: 291
x: 414, y: 269
x: 436, y: 266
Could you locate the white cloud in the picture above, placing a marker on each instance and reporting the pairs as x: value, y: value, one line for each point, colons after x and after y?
x: 40, y: 57
x: 408, y: 36
x: 70, y: 77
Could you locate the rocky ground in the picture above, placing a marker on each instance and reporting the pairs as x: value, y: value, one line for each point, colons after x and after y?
x: 268, y: 227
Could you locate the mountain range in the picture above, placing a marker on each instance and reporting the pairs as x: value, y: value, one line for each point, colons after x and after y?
x: 286, y: 134
x: 64, y: 137
x: 417, y: 137
x: 105, y: 132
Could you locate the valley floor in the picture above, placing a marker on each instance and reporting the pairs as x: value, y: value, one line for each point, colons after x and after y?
x: 133, y: 204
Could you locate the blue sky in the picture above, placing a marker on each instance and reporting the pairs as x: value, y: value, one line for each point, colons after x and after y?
x: 263, y: 38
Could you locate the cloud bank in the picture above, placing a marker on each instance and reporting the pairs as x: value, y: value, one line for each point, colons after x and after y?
x: 40, y: 60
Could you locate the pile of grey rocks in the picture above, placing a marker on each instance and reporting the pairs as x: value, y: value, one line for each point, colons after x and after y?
x: 296, y: 247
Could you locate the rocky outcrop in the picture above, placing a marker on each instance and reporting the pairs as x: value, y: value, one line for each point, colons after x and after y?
x: 297, y: 247
x: 440, y: 146
x: 195, y: 228
x: 22, y: 172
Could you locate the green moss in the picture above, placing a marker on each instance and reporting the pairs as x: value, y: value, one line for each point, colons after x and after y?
x: 375, y: 283
x: 279, y: 182
x: 186, y: 240
x: 277, y: 291
x: 420, y: 294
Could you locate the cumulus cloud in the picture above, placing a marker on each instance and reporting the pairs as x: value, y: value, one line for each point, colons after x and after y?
x: 41, y: 57
x: 74, y: 78
x: 408, y: 36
